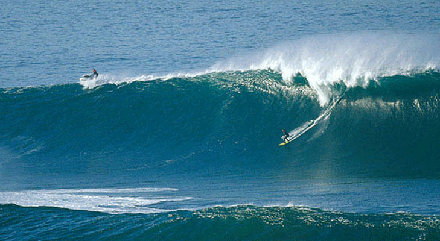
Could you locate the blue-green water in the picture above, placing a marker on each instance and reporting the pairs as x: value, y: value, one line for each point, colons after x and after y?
x: 177, y: 139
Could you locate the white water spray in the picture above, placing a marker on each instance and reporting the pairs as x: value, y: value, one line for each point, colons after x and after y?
x: 354, y: 59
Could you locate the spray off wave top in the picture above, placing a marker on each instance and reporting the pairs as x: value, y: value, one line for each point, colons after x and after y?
x: 325, y: 60
x: 354, y: 59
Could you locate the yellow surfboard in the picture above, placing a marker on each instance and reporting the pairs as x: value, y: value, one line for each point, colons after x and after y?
x: 283, y: 143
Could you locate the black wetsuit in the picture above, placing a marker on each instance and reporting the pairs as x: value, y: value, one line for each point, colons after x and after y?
x: 286, y: 135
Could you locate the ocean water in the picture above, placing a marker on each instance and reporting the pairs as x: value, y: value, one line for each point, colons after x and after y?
x: 177, y: 138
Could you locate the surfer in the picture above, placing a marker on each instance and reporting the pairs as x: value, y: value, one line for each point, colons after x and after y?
x: 91, y: 76
x: 286, y: 135
x: 95, y: 74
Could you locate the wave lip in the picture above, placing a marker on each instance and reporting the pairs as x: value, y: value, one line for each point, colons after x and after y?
x: 353, y: 59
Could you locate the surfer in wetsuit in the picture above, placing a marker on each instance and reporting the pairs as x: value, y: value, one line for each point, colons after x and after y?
x: 91, y: 76
x: 286, y: 135
x: 95, y: 74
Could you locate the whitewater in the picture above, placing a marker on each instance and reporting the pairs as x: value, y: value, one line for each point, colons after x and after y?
x: 352, y: 59
x: 177, y: 139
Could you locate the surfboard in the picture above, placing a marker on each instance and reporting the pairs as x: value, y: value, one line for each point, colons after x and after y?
x: 283, y: 143
x: 87, y: 77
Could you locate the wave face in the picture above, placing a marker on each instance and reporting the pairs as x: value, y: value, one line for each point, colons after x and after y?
x: 228, y: 120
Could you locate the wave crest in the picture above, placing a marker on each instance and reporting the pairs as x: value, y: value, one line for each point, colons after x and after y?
x: 353, y: 59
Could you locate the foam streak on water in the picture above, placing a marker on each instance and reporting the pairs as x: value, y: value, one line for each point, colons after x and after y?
x: 135, y: 200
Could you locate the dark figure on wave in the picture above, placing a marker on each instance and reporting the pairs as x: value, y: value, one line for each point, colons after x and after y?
x: 91, y: 76
x: 286, y: 135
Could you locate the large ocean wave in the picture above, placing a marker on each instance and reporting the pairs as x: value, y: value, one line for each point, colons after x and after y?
x: 185, y: 151
x: 235, y: 117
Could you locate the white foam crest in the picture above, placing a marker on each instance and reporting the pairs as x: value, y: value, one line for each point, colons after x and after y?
x: 136, y: 200
x: 118, y: 79
x: 354, y: 59
x: 113, y: 79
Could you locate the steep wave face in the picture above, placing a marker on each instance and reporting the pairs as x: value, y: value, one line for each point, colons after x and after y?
x: 223, y: 122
